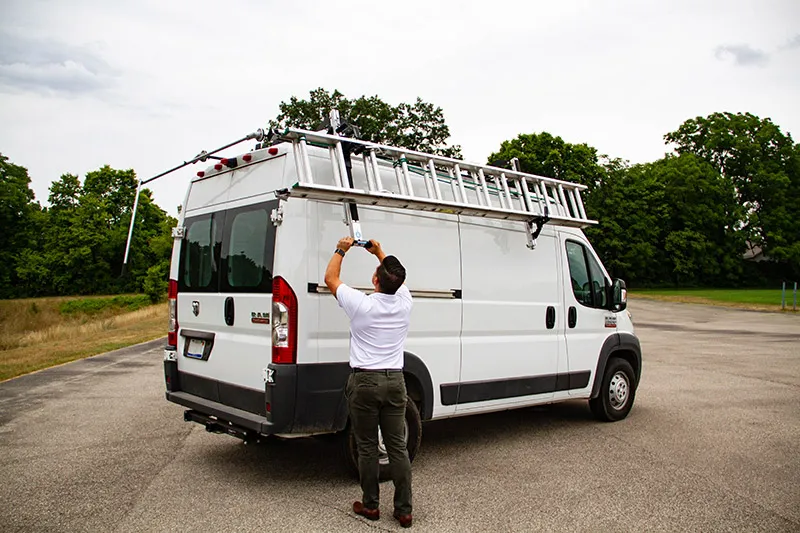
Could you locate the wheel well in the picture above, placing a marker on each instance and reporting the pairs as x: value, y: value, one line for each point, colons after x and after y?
x: 414, y: 390
x: 630, y: 357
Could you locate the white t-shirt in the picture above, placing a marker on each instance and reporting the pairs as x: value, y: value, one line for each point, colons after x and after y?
x: 378, y: 326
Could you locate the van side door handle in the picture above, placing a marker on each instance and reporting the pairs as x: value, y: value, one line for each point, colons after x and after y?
x: 572, y: 317
x: 229, y: 310
x: 550, y: 317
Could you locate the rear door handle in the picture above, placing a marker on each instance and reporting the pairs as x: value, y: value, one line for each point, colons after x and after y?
x: 572, y: 317
x: 550, y: 317
x: 229, y: 310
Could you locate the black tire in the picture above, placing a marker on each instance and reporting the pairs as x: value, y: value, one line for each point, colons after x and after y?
x: 414, y: 424
x: 615, y: 401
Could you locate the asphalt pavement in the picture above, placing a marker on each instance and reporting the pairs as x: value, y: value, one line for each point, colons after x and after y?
x: 712, y: 444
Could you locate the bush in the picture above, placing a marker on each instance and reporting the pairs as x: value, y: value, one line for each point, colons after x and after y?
x: 156, y: 282
x: 93, y: 306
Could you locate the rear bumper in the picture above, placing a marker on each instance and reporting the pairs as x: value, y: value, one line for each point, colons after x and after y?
x: 224, y: 414
x: 296, y: 399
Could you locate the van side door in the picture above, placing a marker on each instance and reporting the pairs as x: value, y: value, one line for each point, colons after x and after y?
x: 510, y: 340
x: 589, y: 321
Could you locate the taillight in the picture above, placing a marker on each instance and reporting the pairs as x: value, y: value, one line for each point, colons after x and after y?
x: 284, y: 322
x: 172, y: 294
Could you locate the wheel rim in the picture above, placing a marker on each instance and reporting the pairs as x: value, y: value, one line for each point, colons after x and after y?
x: 618, y: 390
x: 383, y: 455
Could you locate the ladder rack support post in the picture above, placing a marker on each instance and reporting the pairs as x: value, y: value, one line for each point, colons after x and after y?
x: 130, y: 229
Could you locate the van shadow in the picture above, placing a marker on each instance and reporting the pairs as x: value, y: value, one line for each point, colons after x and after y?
x: 315, y: 460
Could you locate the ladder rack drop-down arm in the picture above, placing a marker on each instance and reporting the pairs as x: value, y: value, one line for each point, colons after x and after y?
x: 258, y: 135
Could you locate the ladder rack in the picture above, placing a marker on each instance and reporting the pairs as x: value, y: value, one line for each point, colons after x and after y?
x: 496, y: 192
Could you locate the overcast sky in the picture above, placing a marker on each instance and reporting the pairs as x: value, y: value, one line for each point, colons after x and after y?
x: 149, y: 84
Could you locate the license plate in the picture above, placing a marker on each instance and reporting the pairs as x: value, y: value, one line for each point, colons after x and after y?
x: 196, y: 348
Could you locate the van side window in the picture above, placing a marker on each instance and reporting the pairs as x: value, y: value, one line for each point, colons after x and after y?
x: 249, y: 248
x: 587, y: 279
x: 199, y: 262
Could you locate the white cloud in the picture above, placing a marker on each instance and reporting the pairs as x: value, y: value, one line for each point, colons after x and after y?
x: 743, y: 55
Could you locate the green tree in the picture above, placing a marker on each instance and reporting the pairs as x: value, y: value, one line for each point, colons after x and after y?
x: 417, y: 126
x: 84, y: 241
x: 667, y: 222
x: 19, y: 220
x: 545, y: 155
x: 763, y: 164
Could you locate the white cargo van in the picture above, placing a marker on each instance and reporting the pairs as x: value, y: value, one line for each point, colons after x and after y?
x: 512, y: 307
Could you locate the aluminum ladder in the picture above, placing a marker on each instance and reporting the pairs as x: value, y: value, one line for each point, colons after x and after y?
x: 497, y: 193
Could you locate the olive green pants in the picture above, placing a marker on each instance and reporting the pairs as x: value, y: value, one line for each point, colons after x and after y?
x: 378, y: 398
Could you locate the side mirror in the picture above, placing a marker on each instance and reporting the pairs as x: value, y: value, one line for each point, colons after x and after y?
x: 619, y: 296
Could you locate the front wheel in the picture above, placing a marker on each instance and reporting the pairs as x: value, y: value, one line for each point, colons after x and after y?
x: 616, y: 392
x: 412, y: 434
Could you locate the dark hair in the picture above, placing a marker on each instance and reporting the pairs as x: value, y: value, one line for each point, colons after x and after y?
x: 391, y: 274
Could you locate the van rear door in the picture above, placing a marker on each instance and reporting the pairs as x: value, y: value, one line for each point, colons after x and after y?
x: 224, y: 303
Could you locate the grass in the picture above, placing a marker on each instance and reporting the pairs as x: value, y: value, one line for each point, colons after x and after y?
x: 756, y: 299
x: 40, y: 332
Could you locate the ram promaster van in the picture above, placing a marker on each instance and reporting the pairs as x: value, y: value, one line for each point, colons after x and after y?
x: 512, y: 307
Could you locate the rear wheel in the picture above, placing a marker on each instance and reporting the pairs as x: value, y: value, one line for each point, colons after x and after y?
x: 412, y: 436
x: 617, y: 391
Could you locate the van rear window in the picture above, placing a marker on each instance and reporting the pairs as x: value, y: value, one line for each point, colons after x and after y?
x: 229, y: 251
x: 250, y: 247
x: 199, y: 264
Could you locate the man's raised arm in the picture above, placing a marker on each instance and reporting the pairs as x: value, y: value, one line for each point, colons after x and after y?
x: 334, y: 269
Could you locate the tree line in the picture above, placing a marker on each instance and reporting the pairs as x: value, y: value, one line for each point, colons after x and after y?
x: 76, y: 244
x: 729, y: 188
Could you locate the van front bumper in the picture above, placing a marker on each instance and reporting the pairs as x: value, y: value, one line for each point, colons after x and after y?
x: 298, y: 399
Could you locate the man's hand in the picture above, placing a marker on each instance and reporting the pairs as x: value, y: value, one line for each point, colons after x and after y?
x: 376, y: 250
x: 345, y: 243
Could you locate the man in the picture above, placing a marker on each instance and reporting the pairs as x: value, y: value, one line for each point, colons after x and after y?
x: 376, y: 390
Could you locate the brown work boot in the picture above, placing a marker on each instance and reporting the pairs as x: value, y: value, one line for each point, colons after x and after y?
x: 369, y: 514
x: 404, y: 519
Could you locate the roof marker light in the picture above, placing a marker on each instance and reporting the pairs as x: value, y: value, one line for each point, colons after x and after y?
x: 218, y: 166
x: 201, y: 174
x: 247, y: 157
x: 273, y: 151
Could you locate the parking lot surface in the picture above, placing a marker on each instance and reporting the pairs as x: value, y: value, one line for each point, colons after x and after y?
x: 712, y: 444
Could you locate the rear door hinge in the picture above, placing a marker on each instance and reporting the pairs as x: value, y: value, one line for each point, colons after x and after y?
x: 277, y: 216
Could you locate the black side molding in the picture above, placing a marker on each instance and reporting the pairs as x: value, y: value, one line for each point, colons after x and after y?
x: 498, y: 389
